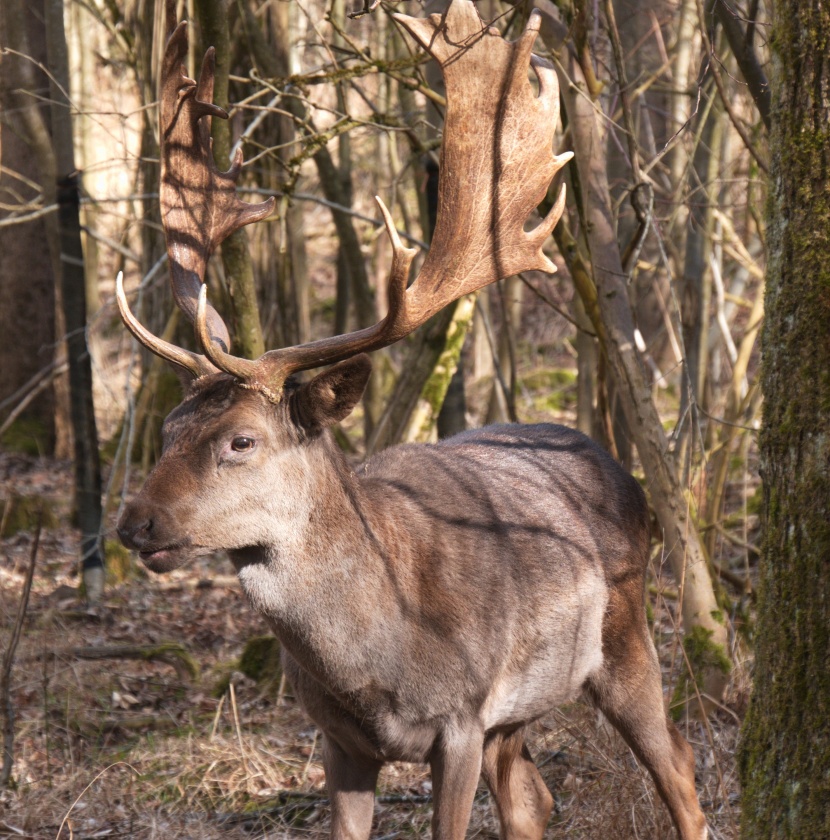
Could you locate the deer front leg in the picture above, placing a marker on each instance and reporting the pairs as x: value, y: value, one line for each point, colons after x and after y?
x: 351, y: 786
x: 456, y: 765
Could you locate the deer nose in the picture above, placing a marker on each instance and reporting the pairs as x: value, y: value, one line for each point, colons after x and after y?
x: 135, y: 532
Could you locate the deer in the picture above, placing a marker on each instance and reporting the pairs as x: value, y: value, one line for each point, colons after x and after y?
x: 434, y: 603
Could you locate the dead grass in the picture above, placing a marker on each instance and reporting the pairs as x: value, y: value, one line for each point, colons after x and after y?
x: 132, y: 749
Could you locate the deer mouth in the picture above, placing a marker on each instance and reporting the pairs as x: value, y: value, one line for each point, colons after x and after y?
x: 165, y: 559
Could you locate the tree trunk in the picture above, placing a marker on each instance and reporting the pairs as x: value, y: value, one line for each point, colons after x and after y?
x: 236, y: 257
x: 502, y: 407
x: 73, y: 288
x: 423, y: 422
x: 27, y: 293
x: 284, y: 282
x: 785, y: 751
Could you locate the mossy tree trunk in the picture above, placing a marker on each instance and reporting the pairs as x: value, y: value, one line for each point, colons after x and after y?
x: 236, y: 257
x: 785, y: 752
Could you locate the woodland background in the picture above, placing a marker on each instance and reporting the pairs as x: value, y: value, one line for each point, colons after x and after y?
x: 700, y: 131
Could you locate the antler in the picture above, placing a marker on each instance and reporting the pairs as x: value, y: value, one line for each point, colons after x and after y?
x: 199, y: 204
x: 496, y: 165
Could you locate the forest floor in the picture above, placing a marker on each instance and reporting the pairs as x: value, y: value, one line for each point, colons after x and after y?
x: 187, y: 746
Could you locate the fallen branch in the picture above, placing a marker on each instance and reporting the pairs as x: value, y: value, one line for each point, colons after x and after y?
x: 132, y: 724
x: 741, y: 583
x: 171, y: 653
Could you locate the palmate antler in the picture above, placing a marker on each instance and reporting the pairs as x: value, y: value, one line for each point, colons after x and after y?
x: 496, y: 165
x: 199, y: 204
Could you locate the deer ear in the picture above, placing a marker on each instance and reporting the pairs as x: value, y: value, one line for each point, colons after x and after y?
x: 331, y: 395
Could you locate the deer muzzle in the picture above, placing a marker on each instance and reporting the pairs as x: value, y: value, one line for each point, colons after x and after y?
x: 143, y: 531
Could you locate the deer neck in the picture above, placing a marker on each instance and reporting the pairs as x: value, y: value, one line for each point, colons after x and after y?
x: 319, y: 576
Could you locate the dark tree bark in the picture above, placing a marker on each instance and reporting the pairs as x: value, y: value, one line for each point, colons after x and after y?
x: 785, y: 752
x: 27, y: 293
x: 73, y: 290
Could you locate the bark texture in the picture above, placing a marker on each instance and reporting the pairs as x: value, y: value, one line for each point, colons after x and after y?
x: 73, y: 292
x: 236, y: 257
x: 27, y: 293
x: 785, y: 752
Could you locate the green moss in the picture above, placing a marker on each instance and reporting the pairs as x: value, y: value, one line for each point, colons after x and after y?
x: 756, y: 501
x: 20, y: 513
x: 176, y: 655
x: 27, y: 435
x: 555, y: 388
x: 119, y: 563
x: 260, y: 661
x: 736, y: 463
x: 549, y: 378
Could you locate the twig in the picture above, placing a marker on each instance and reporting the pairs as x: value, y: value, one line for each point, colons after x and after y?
x: 740, y: 583
x: 40, y: 386
x: 713, y: 66
x: 29, y: 384
x: 216, y: 718
x: 78, y: 798
x: 724, y: 421
x: 720, y: 300
x: 548, y: 302
x: 628, y: 118
x: 491, y: 341
x: 737, y: 541
x: 8, y: 662
x: 310, y: 757
x: 7, y: 509
x: 239, y: 733
x: 171, y: 653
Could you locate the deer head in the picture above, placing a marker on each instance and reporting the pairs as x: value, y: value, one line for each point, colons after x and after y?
x: 496, y: 165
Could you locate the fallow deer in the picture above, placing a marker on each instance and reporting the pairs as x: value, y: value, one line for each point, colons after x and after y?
x: 436, y: 602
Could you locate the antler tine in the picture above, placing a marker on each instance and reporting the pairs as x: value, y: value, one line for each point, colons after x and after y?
x: 241, y: 368
x: 194, y: 364
x: 497, y: 163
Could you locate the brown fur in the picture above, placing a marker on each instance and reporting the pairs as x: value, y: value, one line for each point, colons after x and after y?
x: 434, y: 603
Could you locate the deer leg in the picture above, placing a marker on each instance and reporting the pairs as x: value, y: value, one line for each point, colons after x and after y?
x: 629, y: 692
x: 456, y: 766
x: 351, y: 787
x: 523, y: 801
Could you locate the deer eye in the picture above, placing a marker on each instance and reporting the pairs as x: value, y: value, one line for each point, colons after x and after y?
x: 242, y: 443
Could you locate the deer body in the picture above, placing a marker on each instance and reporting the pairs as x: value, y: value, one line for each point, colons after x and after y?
x: 435, y: 603
x: 432, y: 604
x: 426, y: 599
